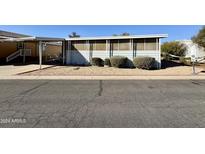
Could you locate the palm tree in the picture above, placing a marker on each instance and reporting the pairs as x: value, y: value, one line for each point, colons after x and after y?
x: 74, y: 34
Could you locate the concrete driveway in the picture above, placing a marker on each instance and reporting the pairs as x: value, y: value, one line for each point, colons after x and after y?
x: 97, y: 103
x: 6, y: 70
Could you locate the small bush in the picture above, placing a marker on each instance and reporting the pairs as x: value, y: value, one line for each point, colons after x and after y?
x: 144, y: 62
x: 97, y: 61
x: 174, y: 47
x: 118, y: 61
x: 185, y: 61
x: 107, y: 62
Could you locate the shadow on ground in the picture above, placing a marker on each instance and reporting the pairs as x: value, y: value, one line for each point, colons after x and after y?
x: 167, y: 64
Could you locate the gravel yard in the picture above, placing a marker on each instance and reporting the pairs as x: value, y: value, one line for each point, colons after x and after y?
x: 110, y: 71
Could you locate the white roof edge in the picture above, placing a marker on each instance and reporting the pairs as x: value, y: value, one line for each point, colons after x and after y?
x: 33, y: 38
x: 49, y: 38
x: 18, y: 39
x: 120, y: 37
x: 4, y: 37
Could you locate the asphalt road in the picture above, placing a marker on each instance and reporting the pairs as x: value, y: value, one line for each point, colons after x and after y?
x: 59, y: 103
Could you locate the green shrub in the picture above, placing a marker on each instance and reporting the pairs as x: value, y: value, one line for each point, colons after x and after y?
x: 97, y: 61
x: 107, y: 62
x: 174, y: 47
x: 118, y: 61
x: 185, y: 61
x: 144, y: 62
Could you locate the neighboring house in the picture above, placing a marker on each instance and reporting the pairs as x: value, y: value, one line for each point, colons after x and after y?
x: 193, y: 49
x: 14, y: 45
x: 7, y: 48
x: 5, y: 35
x: 81, y: 50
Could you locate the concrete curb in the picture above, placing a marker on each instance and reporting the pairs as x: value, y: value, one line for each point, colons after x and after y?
x: 17, y: 77
x: 35, y: 70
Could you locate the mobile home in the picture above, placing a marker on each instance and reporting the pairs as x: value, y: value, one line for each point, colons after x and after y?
x: 80, y: 50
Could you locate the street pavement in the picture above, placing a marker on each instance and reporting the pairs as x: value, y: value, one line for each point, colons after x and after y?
x: 102, y: 103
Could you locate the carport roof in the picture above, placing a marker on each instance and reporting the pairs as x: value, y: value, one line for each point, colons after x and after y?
x: 6, y: 34
x: 32, y: 38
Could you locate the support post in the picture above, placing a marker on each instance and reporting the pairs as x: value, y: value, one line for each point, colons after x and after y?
x: 193, y: 69
x: 68, y: 52
x: 24, y: 57
x: 193, y: 64
x: 144, y: 43
x: 131, y: 48
x: 24, y: 54
x: 63, y: 51
x: 40, y: 54
x: 107, y: 50
x: 108, y: 47
x: 89, y: 50
x: 159, y: 48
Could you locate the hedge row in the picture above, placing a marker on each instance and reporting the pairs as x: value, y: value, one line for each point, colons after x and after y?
x: 118, y: 61
x: 144, y: 62
x: 97, y: 62
x: 122, y: 62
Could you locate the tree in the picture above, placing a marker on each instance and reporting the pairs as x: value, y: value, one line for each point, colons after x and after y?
x: 123, y: 34
x: 200, y: 37
x: 73, y: 35
x: 174, y: 48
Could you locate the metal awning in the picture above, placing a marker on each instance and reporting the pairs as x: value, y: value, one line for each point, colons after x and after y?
x: 23, y: 39
x: 40, y: 41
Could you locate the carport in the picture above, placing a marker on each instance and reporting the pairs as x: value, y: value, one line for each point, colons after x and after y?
x: 41, y: 41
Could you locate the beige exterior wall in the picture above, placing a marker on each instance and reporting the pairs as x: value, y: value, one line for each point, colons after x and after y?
x: 78, y: 45
x: 33, y: 46
x: 7, y: 48
x: 52, y: 51
x: 146, y: 44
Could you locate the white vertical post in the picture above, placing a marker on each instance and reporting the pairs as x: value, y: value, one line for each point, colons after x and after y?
x: 63, y: 51
x: 159, y: 48
x: 131, y: 48
x: 69, y: 53
x: 109, y: 48
x: 40, y: 54
x: 88, y: 49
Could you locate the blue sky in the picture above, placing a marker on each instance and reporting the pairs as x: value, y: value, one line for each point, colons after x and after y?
x: 175, y: 32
